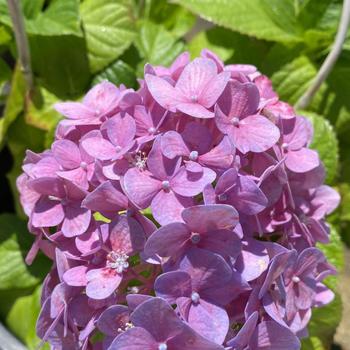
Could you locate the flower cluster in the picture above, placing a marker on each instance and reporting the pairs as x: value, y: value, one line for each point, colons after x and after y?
x: 183, y: 215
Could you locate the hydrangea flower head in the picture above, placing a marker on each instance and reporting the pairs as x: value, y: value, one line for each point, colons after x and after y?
x: 183, y: 215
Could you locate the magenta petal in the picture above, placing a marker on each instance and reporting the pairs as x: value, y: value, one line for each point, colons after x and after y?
x: 220, y: 157
x: 99, y: 148
x: 214, y: 89
x: 165, y: 94
x: 136, y: 338
x: 256, y: 134
x: 270, y: 335
x: 195, y: 110
x: 160, y: 166
x: 167, y: 240
x: 74, y: 110
x: 173, y: 145
x: 126, y: 235
x: 141, y: 187
x: 66, y: 153
x: 204, y: 218
x: 158, y: 318
x: 308, y: 261
x: 47, y: 213
x: 239, y: 99
x: 102, y: 283
x: 195, y: 77
x: 302, y: 160
x: 300, y: 135
x: 188, y: 184
x: 247, y: 196
x: 76, y: 222
x: 167, y: 207
x: 49, y: 186
x: 121, y: 130
x: 242, y: 338
x: 113, y: 319
x: 172, y: 285
x: 78, y: 176
x: 209, y: 320
x: 106, y: 198
x: 75, y: 276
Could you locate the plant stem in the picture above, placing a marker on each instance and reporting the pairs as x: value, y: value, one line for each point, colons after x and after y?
x: 21, y: 41
x: 330, y: 60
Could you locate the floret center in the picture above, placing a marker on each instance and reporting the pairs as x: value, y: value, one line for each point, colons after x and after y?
x: 118, y: 261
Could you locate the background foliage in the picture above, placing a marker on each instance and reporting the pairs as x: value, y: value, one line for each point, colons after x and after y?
x: 75, y: 44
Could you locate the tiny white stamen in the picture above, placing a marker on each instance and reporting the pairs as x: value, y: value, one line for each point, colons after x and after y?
x: 235, y: 121
x: 284, y: 146
x: 140, y: 160
x: 133, y: 290
x: 194, y: 98
x: 127, y: 326
x: 53, y: 198
x: 195, y: 297
x: 97, y: 112
x: 195, y: 238
x: 295, y: 279
x: 151, y: 130
x: 83, y: 165
x: 162, y: 346
x: 118, y: 148
x: 118, y: 261
x: 193, y: 156
x: 165, y: 185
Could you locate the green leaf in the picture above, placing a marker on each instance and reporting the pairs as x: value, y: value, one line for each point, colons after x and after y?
x: 21, y: 319
x: 61, y: 17
x: 218, y: 40
x: 61, y: 64
x: 273, y: 20
x: 312, y: 343
x: 109, y: 30
x: 117, y: 73
x: 156, y: 45
x: 15, y: 241
x: 5, y: 36
x: 326, y: 143
x: 40, y: 112
x: 324, y: 323
x: 14, y: 105
x: 293, y: 78
x: 334, y: 252
x: 175, y: 18
x: 5, y: 71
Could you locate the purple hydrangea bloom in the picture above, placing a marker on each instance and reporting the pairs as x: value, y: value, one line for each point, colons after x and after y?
x: 200, y: 188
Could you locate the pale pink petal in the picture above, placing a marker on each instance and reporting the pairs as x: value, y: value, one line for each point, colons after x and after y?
x: 173, y: 145
x: 255, y: 134
x: 102, y: 283
x: 47, y: 213
x: 66, y: 153
x: 167, y: 207
x: 214, y: 89
x: 74, y: 110
x: 164, y: 93
x: 302, y: 160
x: 99, y: 148
x: 204, y: 218
x: 76, y: 222
x: 188, y: 184
x: 195, y: 110
x: 75, y: 276
x: 195, y: 77
x: 141, y: 187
